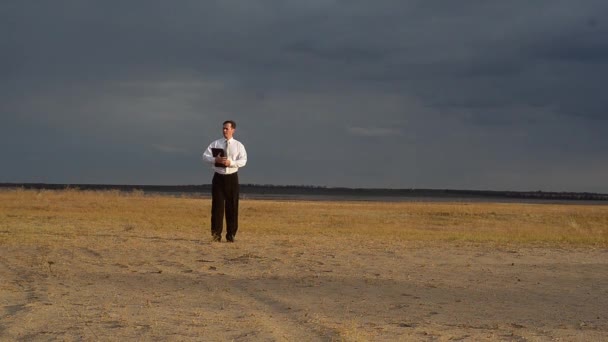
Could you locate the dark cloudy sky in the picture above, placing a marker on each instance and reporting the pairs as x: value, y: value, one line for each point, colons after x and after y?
x: 472, y: 94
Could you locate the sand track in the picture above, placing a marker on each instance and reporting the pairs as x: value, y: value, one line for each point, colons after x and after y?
x: 108, y: 287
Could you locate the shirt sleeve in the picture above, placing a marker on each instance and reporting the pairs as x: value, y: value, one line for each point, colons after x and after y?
x: 208, y: 155
x: 240, y: 159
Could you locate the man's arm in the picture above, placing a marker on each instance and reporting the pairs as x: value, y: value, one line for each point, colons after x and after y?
x: 241, y: 157
x: 209, y: 158
x: 208, y: 155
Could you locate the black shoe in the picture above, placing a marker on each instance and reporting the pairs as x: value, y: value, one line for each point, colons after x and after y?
x: 230, y: 238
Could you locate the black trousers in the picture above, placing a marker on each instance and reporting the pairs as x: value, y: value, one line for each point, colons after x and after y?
x: 225, y: 195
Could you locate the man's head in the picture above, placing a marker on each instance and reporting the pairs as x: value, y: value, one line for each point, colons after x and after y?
x: 228, y: 129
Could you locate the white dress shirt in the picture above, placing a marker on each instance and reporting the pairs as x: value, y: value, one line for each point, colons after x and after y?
x: 236, y: 154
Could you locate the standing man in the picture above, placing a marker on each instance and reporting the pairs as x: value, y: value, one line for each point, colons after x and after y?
x: 226, y: 156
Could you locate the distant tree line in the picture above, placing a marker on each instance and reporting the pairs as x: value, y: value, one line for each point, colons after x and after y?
x: 270, y: 189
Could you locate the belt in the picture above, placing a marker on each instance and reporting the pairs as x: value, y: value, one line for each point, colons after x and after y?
x: 226, y: 174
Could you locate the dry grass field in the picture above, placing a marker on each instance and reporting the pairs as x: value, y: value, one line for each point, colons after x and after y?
x: 86, y: 265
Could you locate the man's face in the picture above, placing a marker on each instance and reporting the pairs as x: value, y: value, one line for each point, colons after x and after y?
x: 228, y: 131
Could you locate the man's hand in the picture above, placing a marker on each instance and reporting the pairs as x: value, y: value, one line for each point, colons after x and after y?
x: 222, y: 160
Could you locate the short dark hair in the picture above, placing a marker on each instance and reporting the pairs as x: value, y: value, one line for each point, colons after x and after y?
x: 232, y: 123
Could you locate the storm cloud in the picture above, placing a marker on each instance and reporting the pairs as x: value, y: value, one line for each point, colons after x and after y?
x: 395, y: 94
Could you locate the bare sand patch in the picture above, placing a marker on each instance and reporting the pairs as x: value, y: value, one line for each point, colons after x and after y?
x: 136, y: 281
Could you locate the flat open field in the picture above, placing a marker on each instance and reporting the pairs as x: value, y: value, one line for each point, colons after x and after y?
x: 84, y: 265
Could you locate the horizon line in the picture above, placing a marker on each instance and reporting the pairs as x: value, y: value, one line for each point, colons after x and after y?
x: 320, y: 187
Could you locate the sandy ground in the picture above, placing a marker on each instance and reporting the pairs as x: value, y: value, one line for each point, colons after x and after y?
x: 136, y: 287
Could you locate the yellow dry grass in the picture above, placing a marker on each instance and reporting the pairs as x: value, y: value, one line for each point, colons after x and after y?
x: 30, y: 216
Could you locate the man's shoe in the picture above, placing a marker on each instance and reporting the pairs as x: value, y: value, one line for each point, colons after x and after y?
x: 217, y: 238
x: 230, y: 238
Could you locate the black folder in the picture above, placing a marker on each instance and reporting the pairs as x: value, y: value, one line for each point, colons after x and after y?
x: 218, y: 152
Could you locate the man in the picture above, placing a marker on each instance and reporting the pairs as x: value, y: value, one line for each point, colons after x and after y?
x: 226, y: 156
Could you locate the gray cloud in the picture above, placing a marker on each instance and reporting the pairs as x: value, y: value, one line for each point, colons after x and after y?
x: 467, y: 95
